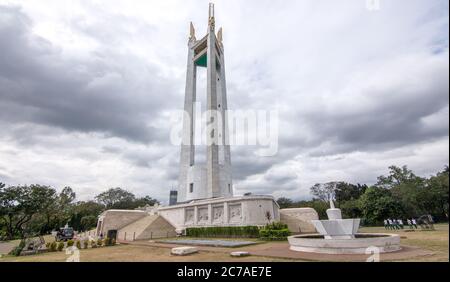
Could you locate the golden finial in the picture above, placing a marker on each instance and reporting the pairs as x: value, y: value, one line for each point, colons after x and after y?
x: 192, y: 33
x: 219, y: 36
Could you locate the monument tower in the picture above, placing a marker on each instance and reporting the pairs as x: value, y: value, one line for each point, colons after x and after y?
x: 213, y: 179
x: 204, y: 197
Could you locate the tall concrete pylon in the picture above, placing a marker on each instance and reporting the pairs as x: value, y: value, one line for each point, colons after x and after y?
x: 213, y: 179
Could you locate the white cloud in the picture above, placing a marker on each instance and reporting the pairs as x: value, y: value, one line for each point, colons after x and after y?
x: 357, y: 90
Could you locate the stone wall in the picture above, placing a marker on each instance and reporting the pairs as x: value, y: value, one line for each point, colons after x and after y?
x: 299, y: 219
x: 148, y: 227
x: 117, y: 219
x: 235, y: 211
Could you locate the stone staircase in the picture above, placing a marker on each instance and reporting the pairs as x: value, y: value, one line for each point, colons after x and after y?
x: 148, y: 227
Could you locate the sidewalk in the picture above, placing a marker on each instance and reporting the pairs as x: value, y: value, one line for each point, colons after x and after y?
x: 281, y: 250
x: 6, y: 247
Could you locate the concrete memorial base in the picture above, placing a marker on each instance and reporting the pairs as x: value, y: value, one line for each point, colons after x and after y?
x: 184, y: 251
x: 363, y: 243
x: 239, y: 254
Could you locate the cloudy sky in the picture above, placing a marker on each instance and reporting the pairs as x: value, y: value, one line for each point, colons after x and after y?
x: 87, y: 89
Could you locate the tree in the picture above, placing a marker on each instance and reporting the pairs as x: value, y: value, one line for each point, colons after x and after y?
x: 406, y: 188
x: 285, y: 203
x: 55, y: 214
x: 348, y: 192
x: 118, y: 198
x: 145, y: 201
x: 397, y: 176
x: 325, y: 192
x: 115, y: 198
x: 83, y: 209
x: 88, y: 222
x: 319, y: 206
x: 351, y: 209
x: 377, y: 204
x: 18, y: 205
x: 435, y: 195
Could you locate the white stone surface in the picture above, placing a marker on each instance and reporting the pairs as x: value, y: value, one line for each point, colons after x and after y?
x: 239, y: 254
x: 235, y: 211
x: 334, y: 214
x: 337, y: 228
x: 381, y: 242
x: 299, y: 219
x: 212, y: 179
x: 183, y: 251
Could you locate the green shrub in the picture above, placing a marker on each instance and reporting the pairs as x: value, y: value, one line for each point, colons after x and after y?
x: 107, y: 241
x: 70, y: 243
x: 53, y: 247
x: 18, y: 249
x: 85, y: 244
x: 99, y: 242
x: 47, y: 245
x: 60, y: 246
x: 224, y: 231
x: 93, y: 244
x: 276, y: 225
x: 275, y: 231
x: 78, y: 244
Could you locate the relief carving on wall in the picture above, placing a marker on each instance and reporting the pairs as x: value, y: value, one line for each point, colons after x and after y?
x: 203, y: 215
x: 235, y: 213
x: 189, y: 216
x: 218, y: 214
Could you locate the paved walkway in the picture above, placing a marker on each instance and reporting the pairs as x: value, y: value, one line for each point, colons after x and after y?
x: 5, y: 247
x: 281, y: 250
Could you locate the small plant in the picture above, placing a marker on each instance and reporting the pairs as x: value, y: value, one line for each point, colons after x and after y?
x: 113, y: 242
x: 47, y: 245
x: 108, y: 241
x: 17, y: 250
x: 60, y: 246
x: 85, y: 244
x: 53, y: 247
x: 70, y: 243
x: 78, y: 244
x: 99, y: 242
x: 93, y: 244
x: 275, y: 231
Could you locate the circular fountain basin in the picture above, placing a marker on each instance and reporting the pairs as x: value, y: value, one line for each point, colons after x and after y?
x: 363, y: 243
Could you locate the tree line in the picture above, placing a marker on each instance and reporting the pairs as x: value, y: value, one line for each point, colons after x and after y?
x: 400, y: 194
x: 31, y: 210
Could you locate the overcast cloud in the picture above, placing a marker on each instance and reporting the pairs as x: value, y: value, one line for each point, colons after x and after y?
x: 87, y: 89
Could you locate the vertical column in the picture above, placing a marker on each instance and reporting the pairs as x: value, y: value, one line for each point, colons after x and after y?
x: 187, y: 156
x: 212, y: 162
x: 225, y: 213
x: 225, y: 129
x: 210, y: 215
x: 195, y: 215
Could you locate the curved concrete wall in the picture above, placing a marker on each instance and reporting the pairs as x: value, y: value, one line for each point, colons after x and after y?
x: 116, y: 219
x: 235, y: 211
x: 299, y: 219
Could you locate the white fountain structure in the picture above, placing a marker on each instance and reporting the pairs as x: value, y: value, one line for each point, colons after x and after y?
x: 340, y: 236
x: 336, y: 227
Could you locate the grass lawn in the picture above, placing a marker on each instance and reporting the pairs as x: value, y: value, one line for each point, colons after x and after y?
x: 133, y: 253
x: 436, y: 241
